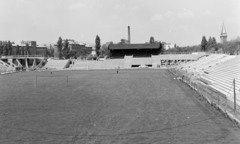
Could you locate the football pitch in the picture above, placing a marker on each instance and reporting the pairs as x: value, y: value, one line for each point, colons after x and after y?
x: 103, y: 107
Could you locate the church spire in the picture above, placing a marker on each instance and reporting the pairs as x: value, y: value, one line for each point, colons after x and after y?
x: 223, y: 35
x: 223, y: 29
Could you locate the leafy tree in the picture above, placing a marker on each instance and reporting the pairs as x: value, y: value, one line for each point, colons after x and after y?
x: 209, y: 44
x: 73, y: 54
x: 1, y: 47
x: 5, y: 49
x: 66, y: 49
x: 123, y: 41
x: 9, y: 48
x: 104, y: 51
x: 204, y: 44
x: 50, y: 51
x: 214, y: 40
x: 97, y: 45
x: 17, y: 50
x: 21, y: 51
x: 28, y: 49
x: 162, y: 49
x: 151, y: 40
x: 210, y: 40
x: 59, y: 45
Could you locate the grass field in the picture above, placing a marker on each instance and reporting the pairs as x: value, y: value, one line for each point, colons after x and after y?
x: 102, y: 107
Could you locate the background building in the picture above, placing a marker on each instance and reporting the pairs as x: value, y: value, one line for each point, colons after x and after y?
x: 167, y: 46
x: 75, y: 47
x: 33, y: 48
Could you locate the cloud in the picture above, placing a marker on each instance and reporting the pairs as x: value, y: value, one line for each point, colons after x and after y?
x: 134, y: 8
x: 77, y: 6
x: 119, y: 7
x: 207, y: 13
x: 157, y: 17
x: 22, y: 1
x: 115, y: 17
x: 186, y: 14
x: 123, y: 7
x: 2, y: 5
x: 169, y: 15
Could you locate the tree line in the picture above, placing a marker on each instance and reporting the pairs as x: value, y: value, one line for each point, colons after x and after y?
x: 63, y: 49
x: 65, y: 52
x: 6, y: 49
x: 210, y: 45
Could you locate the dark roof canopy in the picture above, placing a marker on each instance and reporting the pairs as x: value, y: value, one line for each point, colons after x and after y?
x: 134, y: 46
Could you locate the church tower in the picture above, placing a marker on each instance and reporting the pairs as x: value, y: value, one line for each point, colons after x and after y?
x: 223, y: 36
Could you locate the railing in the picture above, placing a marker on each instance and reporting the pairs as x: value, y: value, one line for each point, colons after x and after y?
x: 179, y: 53
x: 224, y: 102
x: 17, y: 56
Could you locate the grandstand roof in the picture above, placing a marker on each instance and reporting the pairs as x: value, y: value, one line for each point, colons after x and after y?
x: 134, y: 46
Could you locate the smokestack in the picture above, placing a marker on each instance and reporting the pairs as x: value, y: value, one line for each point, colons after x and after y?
x: 129, y: 39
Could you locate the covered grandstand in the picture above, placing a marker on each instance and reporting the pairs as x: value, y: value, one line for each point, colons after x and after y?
x: 135, y: 50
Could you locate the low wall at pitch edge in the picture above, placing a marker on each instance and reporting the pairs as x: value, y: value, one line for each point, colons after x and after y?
x: 224, y: 102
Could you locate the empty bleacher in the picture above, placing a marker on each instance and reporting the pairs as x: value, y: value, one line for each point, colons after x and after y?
x: 80, y: 64
x: 222, y: 75
x: 142, y: 61
x: 113, y: 63
x: 56, y: 64
x: 128, y: 61
x: 203, y: 63
x: 214, y: 76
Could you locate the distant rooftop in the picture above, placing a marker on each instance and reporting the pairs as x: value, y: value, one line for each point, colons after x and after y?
x: 134, y: 46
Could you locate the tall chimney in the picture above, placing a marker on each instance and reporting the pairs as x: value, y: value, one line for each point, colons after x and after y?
x: 129, y: 39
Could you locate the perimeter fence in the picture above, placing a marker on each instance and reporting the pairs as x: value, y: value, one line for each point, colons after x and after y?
x: 226, y: 103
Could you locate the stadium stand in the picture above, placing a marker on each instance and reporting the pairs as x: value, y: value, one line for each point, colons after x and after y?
x: 97, y: 65
x: 221, y: 76
x: 128, y: 62
x: 155, y: 61
x: 198, y: 67
x: 80, y: 64
x: 113, y: 63
x: 6, y: 68
x: 142, y: 61
x: 56, y: 64
x: 213, y: 76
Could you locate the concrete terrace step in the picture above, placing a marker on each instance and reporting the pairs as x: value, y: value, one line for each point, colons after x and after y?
x: 142, y: 61
x: 128, y: 61
x: 112, y: 64
x: 56, y: 64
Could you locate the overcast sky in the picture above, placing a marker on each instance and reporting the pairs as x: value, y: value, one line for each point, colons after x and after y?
x: 183, y: 22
